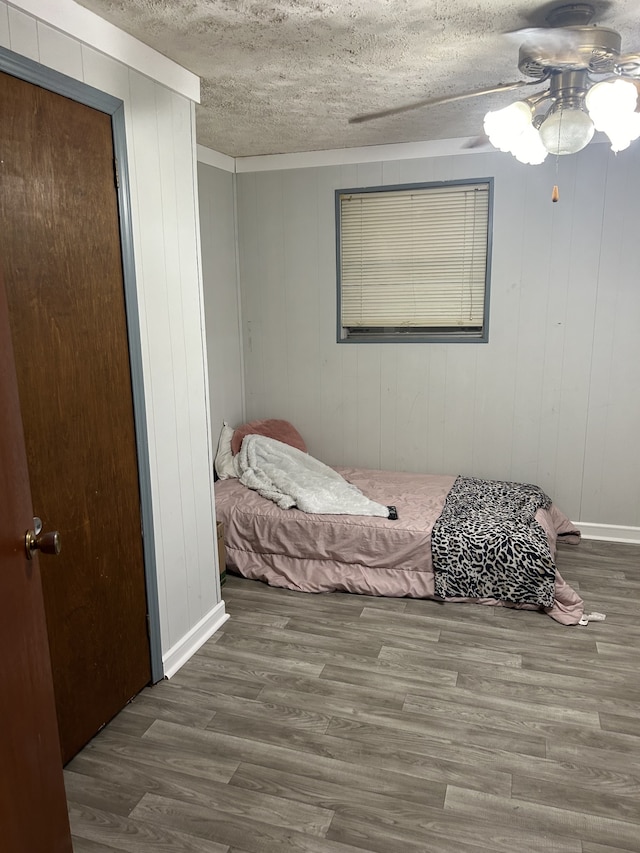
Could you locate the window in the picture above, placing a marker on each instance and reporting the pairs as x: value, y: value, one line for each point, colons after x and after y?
x: 413, y: 262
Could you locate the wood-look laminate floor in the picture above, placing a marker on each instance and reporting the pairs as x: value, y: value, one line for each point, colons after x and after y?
x: 341, y: 724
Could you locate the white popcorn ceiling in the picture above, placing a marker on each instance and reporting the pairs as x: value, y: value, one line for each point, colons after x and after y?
x: 285, y: 76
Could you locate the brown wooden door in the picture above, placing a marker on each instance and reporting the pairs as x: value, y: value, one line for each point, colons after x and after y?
x: 33, y: 809
x: 60, y: 242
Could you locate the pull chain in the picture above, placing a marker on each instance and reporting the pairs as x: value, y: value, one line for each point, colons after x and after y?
x: 555, y: 194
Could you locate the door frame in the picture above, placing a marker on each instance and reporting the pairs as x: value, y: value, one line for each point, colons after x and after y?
x: 32, y: 72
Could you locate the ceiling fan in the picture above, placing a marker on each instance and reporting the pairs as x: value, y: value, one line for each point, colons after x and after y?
x: 581, y: 68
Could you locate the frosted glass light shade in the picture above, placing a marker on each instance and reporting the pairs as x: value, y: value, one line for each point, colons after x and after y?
x: 529, y: 148
x: 612, y: 107
x: 611, y: 98
x: 566, y: 131
x: 503, y: 127
x: 623, y: 133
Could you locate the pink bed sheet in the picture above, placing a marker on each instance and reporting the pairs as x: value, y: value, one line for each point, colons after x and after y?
x: 361, y: 554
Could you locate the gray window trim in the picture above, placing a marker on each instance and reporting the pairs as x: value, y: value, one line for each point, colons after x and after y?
x: 416, y: 337
x: 32, y: 72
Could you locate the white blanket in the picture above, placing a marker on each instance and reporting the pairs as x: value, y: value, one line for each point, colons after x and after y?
x: 289, y: 477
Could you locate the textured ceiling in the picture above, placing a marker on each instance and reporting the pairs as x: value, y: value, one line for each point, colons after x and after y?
x: 280, y: 76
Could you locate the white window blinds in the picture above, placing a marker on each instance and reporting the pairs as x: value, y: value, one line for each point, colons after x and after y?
x: 414, y: 258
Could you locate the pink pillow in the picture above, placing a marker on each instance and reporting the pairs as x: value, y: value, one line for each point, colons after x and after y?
x: 280, y: 430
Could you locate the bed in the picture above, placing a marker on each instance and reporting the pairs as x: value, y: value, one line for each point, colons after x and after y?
x: 363, y: 554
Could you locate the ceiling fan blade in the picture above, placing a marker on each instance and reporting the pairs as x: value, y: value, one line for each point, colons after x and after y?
x: 446, y: 99
x: 477, y: 142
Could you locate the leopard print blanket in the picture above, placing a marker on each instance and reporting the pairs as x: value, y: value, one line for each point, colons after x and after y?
x: 487, y: 543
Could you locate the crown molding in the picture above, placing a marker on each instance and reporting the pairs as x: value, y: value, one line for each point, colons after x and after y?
x: 367, y: 154
x: 214, y: 158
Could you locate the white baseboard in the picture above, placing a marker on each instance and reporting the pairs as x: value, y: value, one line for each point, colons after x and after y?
x: 180, y: 653
x: 609, y: 532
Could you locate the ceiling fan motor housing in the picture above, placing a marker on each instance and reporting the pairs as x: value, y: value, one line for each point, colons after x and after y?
x: 593, y: 49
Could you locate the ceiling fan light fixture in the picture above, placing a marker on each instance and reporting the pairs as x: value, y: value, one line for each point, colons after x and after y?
x: 529, y: 148
x: 566, y: 129
x: 504, y: 127
x: 611, y: 97
x: 623, y: 131
x: 612, y: 105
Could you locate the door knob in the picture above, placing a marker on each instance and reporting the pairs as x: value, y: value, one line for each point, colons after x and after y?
x: 36, y: 540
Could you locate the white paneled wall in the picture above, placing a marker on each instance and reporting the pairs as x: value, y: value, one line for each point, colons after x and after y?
x: 160, y: 131
x: 551, y: 399
x: 221, y: 296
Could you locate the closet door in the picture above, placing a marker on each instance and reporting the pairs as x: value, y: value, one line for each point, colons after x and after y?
x: 63, y: 272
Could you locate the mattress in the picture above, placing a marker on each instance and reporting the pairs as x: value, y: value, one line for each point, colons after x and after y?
x: 361, y: 554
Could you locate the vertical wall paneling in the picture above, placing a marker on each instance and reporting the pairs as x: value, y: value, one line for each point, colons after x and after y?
x: 550, y: 399
x: 199, y: 383
x: 300, y: 280
x: 411, y: 407
x: 603, y: 366
x: 347, y: 412
x: 198, y: 476
x: 460, y: 382
x: 369, y: 175
x: 4, y: 26
x: 160, y: 138
x: 368, y: 405
x: 435, y: 431
x: 60, y: 52
x: 221, y: 296
x: 178, y: 230
x: 388, y: 459
x: 23, y: 34
x: 155, y: 256
x: 527, y: 267
x: 249, y: 268
x: 578, y: 323
x: 563, y: 222
x: 273, y: 220
x: 611, y: 476
x: 625, y: 374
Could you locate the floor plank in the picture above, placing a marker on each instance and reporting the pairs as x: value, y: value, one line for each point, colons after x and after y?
x: 563, y: 822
